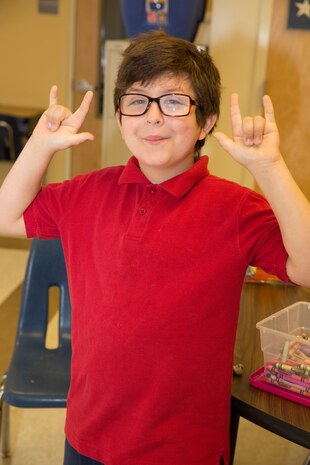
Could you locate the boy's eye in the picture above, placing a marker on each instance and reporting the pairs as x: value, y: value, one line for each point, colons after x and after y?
x: 173, y: 101
x: 137, y: 101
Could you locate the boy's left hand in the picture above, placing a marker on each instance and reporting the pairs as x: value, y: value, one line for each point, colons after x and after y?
x: 255, y: 140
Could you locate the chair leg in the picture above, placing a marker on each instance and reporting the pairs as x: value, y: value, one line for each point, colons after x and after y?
x: 4, y: 423
x: 307, y: 462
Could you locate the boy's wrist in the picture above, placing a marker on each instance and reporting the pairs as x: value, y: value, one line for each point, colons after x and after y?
x: 273, y: 176
x: 267, y: 168
x: 36, y: 146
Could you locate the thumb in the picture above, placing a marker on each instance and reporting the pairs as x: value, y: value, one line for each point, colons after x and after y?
x: 224, y: 141
x: 81, y: 137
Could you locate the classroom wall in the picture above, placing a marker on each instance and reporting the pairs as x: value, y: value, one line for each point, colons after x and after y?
x: 36, y: 52
x: 239, y: 41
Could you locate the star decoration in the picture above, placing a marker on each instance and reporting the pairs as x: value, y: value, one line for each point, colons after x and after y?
x: 303, y: 8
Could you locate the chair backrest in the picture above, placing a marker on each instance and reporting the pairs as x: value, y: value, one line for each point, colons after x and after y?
x: 45, y: 269
x: 15, y: 131
x: 39, y: 376
x: 7, y: 147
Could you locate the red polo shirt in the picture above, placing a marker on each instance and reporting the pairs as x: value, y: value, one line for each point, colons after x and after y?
x: 155, y: 274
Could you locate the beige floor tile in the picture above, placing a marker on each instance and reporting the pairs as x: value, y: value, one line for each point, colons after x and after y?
x: 37, y: 437
x: 256, y: 446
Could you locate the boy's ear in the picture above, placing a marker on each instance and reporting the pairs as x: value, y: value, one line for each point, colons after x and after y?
x: 118, y: 118
x: 208, y: 126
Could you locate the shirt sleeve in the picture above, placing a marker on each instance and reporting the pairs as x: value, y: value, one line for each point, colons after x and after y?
x: 260, y: 236
x: 38, y: 217
x: 54, y: 202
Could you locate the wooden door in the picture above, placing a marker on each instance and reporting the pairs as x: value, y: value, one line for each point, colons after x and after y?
x: 288, y: 84
x: 87, y: 157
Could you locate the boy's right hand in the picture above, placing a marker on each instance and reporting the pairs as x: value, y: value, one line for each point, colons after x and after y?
x: 58, y: 127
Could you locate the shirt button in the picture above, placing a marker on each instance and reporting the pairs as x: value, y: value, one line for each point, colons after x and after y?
x: 152, y: 190
x: 142, y: 211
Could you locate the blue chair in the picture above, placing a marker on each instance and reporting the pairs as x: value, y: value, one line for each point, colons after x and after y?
x: 38, y: 377
x: 10, y: 137
x: 7, y: 145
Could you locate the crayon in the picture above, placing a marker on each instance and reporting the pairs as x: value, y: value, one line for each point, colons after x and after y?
x: 291, y: 386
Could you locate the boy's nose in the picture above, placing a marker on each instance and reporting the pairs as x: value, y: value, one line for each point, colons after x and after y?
x: 154, y: 115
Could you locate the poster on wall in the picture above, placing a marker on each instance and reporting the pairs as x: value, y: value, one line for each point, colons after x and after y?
x: 48, y: 7
x: 299, y: 14
x: 157, y: 12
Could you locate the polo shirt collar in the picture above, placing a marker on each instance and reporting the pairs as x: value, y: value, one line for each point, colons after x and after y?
x: 178, y: 186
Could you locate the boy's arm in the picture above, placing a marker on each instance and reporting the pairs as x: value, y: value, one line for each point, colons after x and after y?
x: 255, y: 144
x: 56, y: 130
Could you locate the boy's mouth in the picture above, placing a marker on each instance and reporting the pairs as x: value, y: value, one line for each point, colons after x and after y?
x: 155, y: 139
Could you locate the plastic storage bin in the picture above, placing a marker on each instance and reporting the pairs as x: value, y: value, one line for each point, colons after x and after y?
x: 285, y: 342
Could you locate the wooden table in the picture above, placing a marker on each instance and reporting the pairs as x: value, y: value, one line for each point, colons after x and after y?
x: 283, y: 417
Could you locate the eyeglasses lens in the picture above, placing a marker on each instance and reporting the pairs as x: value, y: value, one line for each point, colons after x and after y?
x: 170, y: 104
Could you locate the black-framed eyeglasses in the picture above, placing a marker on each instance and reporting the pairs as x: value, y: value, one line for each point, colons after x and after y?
x: 169, y: 104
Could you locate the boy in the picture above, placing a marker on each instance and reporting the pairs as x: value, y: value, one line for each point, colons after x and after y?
x: 144, y: 246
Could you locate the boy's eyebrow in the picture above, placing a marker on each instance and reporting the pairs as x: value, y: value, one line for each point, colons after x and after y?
x: 141, y: 90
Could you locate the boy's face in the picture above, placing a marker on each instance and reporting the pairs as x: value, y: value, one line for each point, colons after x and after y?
x: 163, y: 145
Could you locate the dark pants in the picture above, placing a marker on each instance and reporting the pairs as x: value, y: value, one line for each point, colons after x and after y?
x: 72, y: 457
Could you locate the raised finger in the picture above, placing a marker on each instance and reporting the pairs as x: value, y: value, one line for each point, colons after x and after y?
x: 82, y: 111
x: 268, y: 109
x: 236, y: 120
x: 53, y: 95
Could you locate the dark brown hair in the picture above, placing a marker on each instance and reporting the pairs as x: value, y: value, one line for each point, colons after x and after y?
x: 152, y: 54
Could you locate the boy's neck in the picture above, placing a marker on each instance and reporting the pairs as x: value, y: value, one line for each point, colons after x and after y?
x: 158, y: 175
